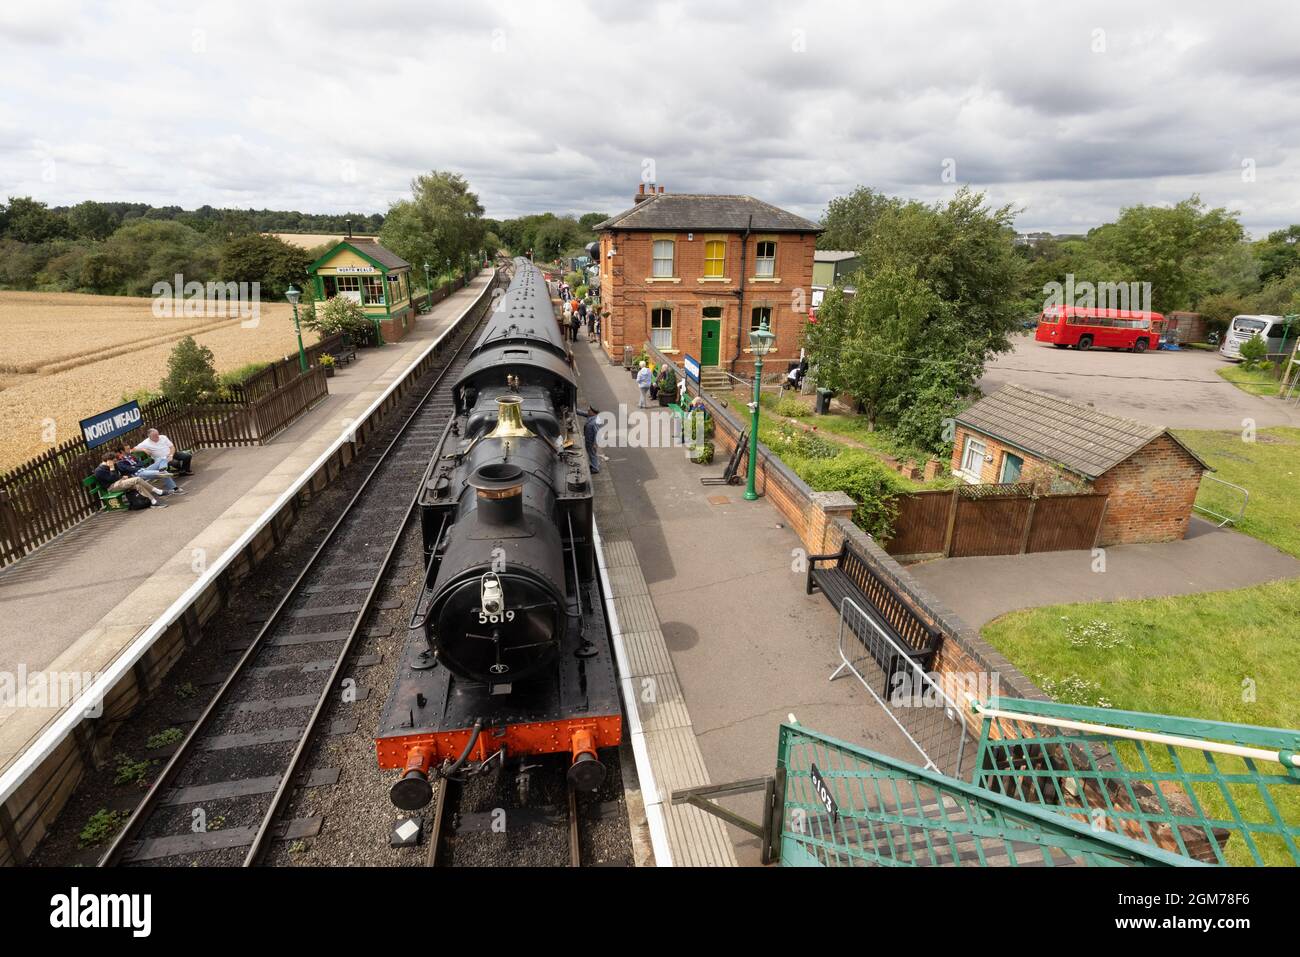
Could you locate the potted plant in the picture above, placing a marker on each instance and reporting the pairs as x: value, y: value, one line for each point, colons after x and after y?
x: 667, y: 385
x: 327, y: 363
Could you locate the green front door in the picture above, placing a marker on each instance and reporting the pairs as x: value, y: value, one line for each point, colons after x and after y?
x: 710, y: 330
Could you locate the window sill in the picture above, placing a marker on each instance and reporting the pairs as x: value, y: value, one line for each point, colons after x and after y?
x: 668, y: 279
x: 771, y: 279
x: 718, y: 279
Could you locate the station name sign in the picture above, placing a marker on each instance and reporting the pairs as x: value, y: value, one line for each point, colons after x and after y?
x: 346, y: 269
x: 692, y: 366
x: 107, y: 426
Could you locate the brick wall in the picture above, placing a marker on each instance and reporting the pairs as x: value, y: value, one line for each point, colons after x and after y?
x: 629, y: 292
x: 1151, y: 494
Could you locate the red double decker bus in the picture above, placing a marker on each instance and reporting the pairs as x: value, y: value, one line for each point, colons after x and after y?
x: 1065, y: 326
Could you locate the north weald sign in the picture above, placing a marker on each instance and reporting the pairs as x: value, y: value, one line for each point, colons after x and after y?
x: 692, y: 366
x: 109, y: 425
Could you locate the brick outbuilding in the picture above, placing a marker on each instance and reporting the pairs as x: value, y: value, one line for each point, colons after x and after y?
x: 693, y: 273
x: 1020, y: 435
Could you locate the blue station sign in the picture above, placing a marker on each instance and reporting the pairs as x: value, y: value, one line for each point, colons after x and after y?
x: 107, y: 426
x: 692, y: 366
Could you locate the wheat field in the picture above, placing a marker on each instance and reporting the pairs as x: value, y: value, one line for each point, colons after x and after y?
x: 66, y: 356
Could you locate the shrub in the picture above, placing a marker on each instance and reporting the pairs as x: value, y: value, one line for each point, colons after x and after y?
x: 801, y: 442
x: 863, y: 479
x: 339, y: 314
x: 243, y: 373
x: 792, y: 408
x: 1254, y: 351
x: 191, y: 375
x: 101, y: 825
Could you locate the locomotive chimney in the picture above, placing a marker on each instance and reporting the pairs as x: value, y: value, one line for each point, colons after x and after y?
x: 500, y: 489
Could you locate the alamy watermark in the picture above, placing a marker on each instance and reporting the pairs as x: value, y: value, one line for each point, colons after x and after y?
x: 47, y: 689
x: 217, y: 300
x: 1126, y: 296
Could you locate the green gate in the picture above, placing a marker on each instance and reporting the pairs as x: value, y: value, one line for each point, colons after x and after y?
x: 1207, y: 790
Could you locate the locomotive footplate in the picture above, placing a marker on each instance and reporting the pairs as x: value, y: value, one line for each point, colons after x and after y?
x: 432, y: 716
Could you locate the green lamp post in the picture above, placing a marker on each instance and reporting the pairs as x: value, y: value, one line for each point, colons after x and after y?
x: 293, y: 295
x: 760, y: 343
x: 428, y: 283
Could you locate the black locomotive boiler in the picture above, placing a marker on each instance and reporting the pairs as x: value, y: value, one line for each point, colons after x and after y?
x: 507, y: 653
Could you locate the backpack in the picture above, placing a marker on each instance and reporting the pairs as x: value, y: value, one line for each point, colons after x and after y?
x: 135, y: 501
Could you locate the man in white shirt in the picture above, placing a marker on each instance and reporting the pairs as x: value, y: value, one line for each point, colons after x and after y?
x: 162, y: 451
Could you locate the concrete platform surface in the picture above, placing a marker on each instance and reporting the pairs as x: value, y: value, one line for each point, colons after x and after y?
x: 1208, y: 559
x: 78, y: 601
x: 747, y: 646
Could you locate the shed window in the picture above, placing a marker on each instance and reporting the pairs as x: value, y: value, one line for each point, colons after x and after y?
x: 972, y: 457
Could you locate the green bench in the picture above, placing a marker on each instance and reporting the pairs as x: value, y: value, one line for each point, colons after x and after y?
x: 108, y: 501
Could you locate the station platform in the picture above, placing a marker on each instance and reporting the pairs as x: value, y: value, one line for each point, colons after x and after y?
x: 721, y: 640
x: 73, y: 605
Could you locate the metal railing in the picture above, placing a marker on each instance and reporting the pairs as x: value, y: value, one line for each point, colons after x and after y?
x: 844, y: 806
x: 1224, y: 519
x: 1207, y: 790
x: 928, y: 717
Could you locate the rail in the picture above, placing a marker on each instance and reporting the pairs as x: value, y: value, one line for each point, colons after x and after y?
x: 1226, y: 519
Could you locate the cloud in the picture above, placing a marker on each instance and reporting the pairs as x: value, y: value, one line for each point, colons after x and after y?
x: 1070, y: 113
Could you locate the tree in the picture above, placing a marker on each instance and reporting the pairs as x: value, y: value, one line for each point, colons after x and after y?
x: 267, y: 260
x: 1168, y: 247
x: 29, y: 221
x: 443, y: 221
x: 92, y: 220
x: 849, y: 220
x: 588, y: 221
x: 191, y: 375
x: 1279, y: 253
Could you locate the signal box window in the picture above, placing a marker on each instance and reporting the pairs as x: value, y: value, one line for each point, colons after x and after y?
x: 663, y: 259
x: 373, y: 287
x: 765, y: 262
x: 715, y: 258
x: 661, y: 328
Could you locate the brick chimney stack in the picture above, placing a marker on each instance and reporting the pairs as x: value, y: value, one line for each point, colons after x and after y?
x: 641, y: 195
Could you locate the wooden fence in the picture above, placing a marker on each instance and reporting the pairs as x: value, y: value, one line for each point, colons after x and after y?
x: 994, y: 520
x: 44, y: 496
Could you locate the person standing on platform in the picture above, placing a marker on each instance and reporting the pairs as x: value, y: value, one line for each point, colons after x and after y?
x: 590, y: 430
x: 644, y: 378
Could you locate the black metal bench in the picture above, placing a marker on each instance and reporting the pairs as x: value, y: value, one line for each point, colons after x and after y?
x: 845, y: 574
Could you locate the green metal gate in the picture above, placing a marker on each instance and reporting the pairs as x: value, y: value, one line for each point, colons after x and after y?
x: 1207, y: 790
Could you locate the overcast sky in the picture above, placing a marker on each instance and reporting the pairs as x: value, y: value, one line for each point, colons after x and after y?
x: 327, y: 106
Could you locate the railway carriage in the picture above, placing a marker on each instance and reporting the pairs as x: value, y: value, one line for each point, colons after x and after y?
x: 507, y: 653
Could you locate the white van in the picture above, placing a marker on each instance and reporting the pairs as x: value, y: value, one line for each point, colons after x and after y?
x: 1272, y: 329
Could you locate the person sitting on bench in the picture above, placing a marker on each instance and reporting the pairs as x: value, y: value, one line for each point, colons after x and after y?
x: 162, y: 451
x: 152, y: 473
x: 111, y: 480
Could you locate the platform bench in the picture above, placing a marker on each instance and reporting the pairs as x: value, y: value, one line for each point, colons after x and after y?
x: 845, y: 574
x: 108, y: 501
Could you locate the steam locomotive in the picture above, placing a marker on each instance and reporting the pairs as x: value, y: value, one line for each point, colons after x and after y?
x: 506, y: 656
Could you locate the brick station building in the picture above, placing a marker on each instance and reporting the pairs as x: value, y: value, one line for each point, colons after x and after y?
x: 694, y: 273
x: 1019, y: 435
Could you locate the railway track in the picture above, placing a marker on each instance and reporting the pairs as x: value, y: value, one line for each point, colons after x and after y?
x: 219, y: 799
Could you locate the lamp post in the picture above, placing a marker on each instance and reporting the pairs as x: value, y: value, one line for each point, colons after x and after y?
x: 293, y: 295
x: 760, y: 343
x: 428, y: 284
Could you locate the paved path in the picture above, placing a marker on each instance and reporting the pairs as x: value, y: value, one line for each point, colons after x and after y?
x: 1179, y: 390
x: 60, y: 592
x: 749, y: 647
x: 1209, y: 559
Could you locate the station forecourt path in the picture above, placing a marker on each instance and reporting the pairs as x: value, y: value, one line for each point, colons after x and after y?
x: 748, y: 647
x: 76, y: 602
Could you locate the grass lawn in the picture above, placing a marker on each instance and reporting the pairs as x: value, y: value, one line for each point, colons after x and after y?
x: 1254, y: 381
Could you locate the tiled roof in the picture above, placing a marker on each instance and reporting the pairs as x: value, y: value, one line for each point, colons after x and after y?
x: 377, y: 252
x: 699, y: 211
x: 1066, y: 433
